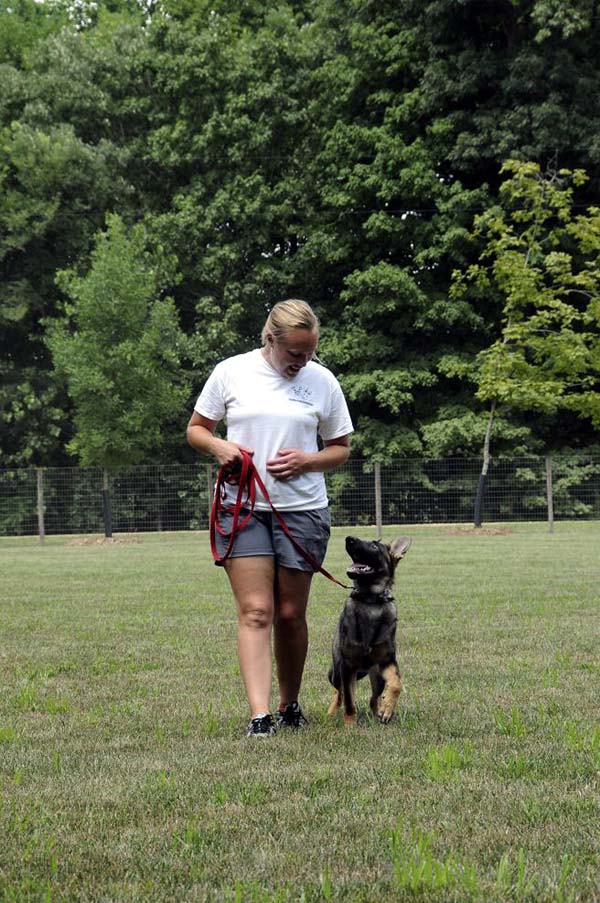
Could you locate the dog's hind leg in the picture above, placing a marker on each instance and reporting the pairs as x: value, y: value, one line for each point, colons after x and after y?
x: 377, y: 688
x: 389, y: 697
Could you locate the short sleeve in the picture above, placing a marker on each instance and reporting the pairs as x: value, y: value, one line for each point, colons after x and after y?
x: 337, y: 422
x: 211, y: 401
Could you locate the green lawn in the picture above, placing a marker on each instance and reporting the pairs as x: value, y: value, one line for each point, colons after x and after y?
x: 125, y: 775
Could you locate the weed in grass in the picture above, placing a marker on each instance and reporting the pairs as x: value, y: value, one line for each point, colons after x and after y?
x: 161, y: 790
x: 326, y: 885
x: 511, y: 724
x: 254, y: 794
x: 550, y: 680
x: 319, y: 717
x: 517, y: 767
x: 564, y: 894
x: 27, y: 889
x: 8, y: 734
x: 209, y: 721
x: 320, y: 781
x: 447, y: 761
x: 584, y: 740
x: 410, y: 718
x: 56, y: 762
x: 573, y: 735
x: 418, y: 871
x: 26, y: 699
x: 551, y: 711
x: 250, y: 892
x: 221, y: 794
x: 593, y: 743
x: 533, y: 813
x: 190, y: 839
x: 186, y: 728
x: 591, y: 668
x: 53, y: 705
x: 563, y: 660
x: 512, y: 878
x: 104, y: 666
x: 95, y: 715
x: 128, y: 708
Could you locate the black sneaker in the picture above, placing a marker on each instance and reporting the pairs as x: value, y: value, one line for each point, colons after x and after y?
x: 292, y: 716
x: 262, y: 726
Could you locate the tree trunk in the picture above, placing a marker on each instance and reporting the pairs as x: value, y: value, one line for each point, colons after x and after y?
x: 479, y: 498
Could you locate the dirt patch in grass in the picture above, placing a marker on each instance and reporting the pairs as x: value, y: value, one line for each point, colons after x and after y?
x: 103, y: 540
x: 468, y: 530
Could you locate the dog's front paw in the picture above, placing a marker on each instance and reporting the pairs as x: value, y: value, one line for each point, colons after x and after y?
x: 336, y: 702
x: 350, y: 720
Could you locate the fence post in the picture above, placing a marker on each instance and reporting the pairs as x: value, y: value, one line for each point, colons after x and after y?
x: 106, y: 510
x: 40, y: 504
x: 158, y: 501
x: 549, y: 494
x: 378, y: 518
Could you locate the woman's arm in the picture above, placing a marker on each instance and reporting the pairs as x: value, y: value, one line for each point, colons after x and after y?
x: 291, y: 462
x: 201, y: 436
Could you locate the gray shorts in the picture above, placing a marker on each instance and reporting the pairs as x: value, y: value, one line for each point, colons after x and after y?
x: 263, y: 535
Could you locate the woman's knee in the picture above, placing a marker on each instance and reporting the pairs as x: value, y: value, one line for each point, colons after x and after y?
x: 290, y: 616
x: 256, y: 617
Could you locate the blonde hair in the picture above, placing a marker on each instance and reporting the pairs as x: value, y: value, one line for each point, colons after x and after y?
x: 287, y: 315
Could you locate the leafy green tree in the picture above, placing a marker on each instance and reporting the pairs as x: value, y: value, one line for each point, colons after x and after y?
x: 227, y: 144
x: 23, y: 24
x: 424, y: 105
x: 64, y: 127
x: 333, y: 149
x: 47, y: 178
x: 541, y: 258
x: 120, y: 347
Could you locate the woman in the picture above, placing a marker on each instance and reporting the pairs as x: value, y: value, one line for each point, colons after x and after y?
x: 276, y: 400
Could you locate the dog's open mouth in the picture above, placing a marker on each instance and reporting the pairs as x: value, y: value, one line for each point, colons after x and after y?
x: 359, y: 570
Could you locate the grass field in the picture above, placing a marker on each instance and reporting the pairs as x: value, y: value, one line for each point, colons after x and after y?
x: 125, y: 775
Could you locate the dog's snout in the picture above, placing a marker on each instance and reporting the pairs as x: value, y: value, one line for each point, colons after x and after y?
x: 351, y: 542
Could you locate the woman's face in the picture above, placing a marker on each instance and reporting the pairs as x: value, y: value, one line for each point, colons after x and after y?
x: 289, y: 354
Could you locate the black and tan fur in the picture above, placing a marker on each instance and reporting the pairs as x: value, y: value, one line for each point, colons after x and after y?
x: 365, y: 639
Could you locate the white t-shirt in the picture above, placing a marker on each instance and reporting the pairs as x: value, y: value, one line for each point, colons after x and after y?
x: 267, y: 412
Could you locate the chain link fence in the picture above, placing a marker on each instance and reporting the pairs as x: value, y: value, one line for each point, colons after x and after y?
x: 408, y: 491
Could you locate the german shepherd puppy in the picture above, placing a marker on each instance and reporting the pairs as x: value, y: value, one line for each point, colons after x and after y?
x: 365, y: 639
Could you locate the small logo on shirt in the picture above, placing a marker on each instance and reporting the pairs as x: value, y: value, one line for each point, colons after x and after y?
x: 302, y: 394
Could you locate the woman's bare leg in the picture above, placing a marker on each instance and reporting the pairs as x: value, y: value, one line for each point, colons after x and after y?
x: 291, y: 632
x: 252, y: 584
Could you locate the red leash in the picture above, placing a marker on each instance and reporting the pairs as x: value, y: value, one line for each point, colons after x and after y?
x: 248, y: 480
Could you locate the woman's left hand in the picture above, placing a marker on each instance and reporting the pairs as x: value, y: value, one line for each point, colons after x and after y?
x: 289, y: 463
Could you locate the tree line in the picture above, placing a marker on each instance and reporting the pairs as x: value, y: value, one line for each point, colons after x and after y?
x: 426, y: 174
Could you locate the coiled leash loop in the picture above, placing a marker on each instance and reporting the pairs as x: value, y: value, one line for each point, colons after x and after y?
x: 248, y: 479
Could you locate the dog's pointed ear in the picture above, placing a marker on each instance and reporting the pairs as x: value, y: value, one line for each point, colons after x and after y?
x: 399, y: 547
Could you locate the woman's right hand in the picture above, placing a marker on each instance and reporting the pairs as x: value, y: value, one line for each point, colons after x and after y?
x: 201, y: 436
x: 228, y: 454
